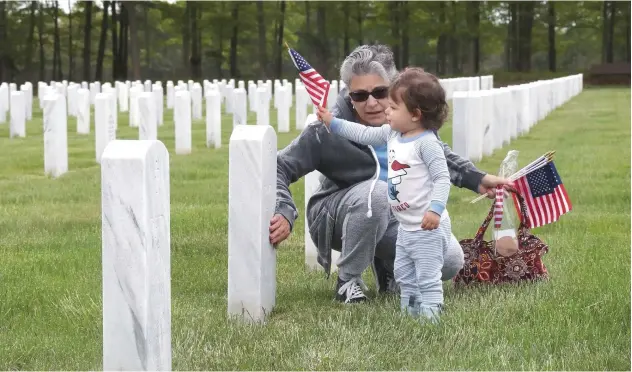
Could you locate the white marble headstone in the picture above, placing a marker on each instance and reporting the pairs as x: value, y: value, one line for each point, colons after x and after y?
x: 301, y: 106
x: 148, y: 128
x: 252, y: 97
x: 170, y: 93
x: 213, y: 119
x: 283, y: 110
x: 488, y: 121
x: 136, y: 256
x: 28, y: 91
x: 17, y: 127
x: 104, y: 131
x: 82, y: 107
x: 55, y: 135
x: 4, y: 102
x: 263, y: 107
x: 251, y: 204
x: 460, y: 102
x: 159, y: 102
x: 182, y: 118
x: 73, y: 100
x: 123, y: 98
x: 240, y: 107
x: 196, y: 100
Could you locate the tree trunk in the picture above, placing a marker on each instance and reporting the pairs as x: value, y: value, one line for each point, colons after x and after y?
x: 147, y: 35
x: 610, y: 45
x: 514, y: 39
x: 525, y: 26
x: 115, y: 51
x: 4, y: 73
x: 454, y: 41
x: 627, y: 31
x: 233, y: 41
x: 122, y: 44
x: 552, y: 52
x: 102, y: 40
x: 279, y: 62
x: 441, y: 43
x: 40, y: 34
x: 324, y: 51
x: 394, y: 13
x: 186, y: 36
x: 71, y: 62
x: 219, y: 52
x: 474, y: 29
x: 57, y: 45
x: 359, y: 19
x: 130, y: 7
x: 263, y: 59
x: 29, y: 42
x: 87, y: 27
x: 405, y: 42
x: 346, y: 11
x: 604, y: 30
x: 196, y: 56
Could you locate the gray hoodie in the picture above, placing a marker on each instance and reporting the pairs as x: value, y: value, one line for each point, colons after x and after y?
x: 342, y: 163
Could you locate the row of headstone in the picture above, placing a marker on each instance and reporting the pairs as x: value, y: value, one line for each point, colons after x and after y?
x: 126, y: 95
x: 486, y: 120
x: 466, y: 84
x: 18, y: 104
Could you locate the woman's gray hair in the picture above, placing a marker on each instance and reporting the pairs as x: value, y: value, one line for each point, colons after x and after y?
x: 369, y: 59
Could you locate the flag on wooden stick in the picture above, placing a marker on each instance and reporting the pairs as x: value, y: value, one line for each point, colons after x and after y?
x: 544, y: 194
x: 317, y: 87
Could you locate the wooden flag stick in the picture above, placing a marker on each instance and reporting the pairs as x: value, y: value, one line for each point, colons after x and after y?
x: 534, y: 165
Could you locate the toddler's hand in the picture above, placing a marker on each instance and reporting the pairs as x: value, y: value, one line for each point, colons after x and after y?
x: 324, y: 115
x: 430, y: 221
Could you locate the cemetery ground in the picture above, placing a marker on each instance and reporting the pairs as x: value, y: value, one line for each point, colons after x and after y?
x: 50, y: 265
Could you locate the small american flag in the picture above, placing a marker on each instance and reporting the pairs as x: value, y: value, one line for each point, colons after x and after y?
x: 317, y: 87
x: 544, y: 194
x: 498, y: 207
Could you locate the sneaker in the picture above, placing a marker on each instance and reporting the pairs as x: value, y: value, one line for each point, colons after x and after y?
x: 351, y: 291
x: 384, y: 278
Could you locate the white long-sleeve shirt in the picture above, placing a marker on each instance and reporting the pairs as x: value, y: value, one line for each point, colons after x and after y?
x: 418, y: 176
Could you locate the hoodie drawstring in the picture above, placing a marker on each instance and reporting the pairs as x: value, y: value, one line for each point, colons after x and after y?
x: 369, y: 214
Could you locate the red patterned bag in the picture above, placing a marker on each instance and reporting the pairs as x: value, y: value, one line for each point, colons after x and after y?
x: 484, y: 265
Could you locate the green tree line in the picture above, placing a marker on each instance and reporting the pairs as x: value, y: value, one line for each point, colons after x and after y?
x: 159, y: 40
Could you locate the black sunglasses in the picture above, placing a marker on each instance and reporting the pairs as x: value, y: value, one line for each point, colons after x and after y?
x: 363, y: 95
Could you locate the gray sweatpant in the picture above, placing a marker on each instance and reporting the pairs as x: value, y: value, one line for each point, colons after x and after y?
x: 359, y: 238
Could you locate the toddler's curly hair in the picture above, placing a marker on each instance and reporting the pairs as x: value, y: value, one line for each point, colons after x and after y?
x: 421, y: 90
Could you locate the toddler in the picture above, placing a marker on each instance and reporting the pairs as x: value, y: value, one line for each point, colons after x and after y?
x: 418, y: 184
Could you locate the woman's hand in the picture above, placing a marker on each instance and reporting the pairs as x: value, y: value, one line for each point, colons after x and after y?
x: 489, y: 183
x: 279, y: 229
x: 324, y: 115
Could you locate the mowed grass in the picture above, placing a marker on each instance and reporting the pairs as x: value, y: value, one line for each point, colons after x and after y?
x: 50, y: 266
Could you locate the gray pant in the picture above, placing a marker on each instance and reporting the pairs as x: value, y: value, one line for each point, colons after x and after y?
x: 359, y: 237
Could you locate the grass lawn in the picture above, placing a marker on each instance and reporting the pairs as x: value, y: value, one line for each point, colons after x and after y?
x: 50, y: 266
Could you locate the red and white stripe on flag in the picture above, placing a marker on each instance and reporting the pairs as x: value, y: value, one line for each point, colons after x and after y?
x: 317, y: 87
x: 498, y: 207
